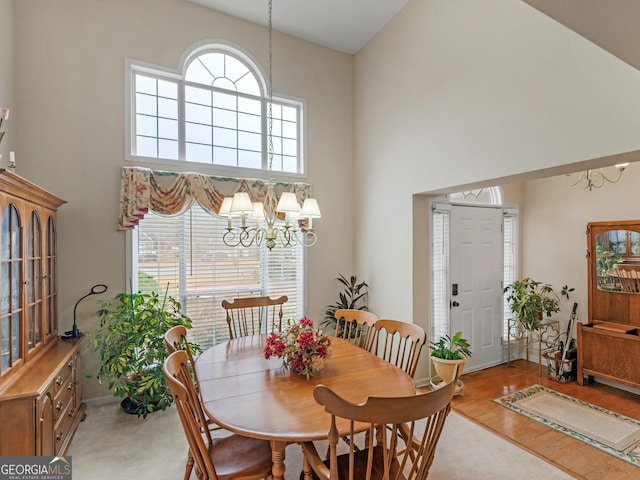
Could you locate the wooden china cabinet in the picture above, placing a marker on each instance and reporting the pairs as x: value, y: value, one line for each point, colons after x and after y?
x: 40, y: 378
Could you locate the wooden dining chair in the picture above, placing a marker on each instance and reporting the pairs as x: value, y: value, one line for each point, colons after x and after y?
x: 176, y: 339
x: 629, y: 280
x: 412, y: 424
x: 254, y: 315
x: 355, y: 326
x: 399, y: 343
x: 231, y: 457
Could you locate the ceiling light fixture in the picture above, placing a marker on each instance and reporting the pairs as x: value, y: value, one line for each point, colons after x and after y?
x: 287, y: 206
x: 595, y: 178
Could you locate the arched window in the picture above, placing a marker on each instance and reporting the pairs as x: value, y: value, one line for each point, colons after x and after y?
x: 485, y: 196
x: 212, y: 111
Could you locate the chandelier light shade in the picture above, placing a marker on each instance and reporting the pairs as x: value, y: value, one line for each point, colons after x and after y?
x: 266, y: 214
x: 310, y: 210
x: 596, y: 178
x: 288, y: 204
x: 272, y: 209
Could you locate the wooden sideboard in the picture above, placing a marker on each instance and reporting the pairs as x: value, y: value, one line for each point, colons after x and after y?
x: 40, y: 413
x: 609, y: 344
x: 40, y: 378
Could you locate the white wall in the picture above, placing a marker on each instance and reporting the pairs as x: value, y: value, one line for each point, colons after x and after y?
x: 554, y: 219
x: 460, y: 92
x: 452, y: 92
x: 69, y: 57
x: 6, y: 77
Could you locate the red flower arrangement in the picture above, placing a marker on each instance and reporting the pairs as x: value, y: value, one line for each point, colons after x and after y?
x: 301, y: 348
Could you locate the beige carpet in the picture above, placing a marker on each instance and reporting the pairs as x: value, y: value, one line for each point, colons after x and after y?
x: 112, y: 445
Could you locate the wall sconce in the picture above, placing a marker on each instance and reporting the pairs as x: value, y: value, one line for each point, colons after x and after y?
x: 75, y: 331
x: 595, y: 178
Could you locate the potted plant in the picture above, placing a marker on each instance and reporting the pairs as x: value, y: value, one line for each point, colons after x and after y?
x: 132, y: 350
x: 351, y: 297
x: 449, y: 354
x: 531, y: 300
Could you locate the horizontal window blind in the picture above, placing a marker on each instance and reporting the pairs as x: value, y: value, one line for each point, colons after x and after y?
x: 440, y: 274
x: 185, y: 255
x: 510, y: 267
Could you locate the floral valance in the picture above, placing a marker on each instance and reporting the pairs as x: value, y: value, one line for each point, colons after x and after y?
x: 172, y: 193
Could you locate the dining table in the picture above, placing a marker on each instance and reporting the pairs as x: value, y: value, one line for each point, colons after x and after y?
x: 251, y: 395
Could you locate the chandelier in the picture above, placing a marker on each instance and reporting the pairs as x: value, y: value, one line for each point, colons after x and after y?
x: 595, y: 178
x: 271, y: 209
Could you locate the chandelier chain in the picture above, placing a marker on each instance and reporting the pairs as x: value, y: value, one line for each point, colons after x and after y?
x: 270, y: 90
x: 288, y: 235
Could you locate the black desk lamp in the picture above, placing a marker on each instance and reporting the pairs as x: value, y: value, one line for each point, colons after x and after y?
x: 75, y: 331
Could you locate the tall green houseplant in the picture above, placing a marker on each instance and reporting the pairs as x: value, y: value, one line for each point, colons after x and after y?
x: 531, y: 300
x: 132, y: 350
x: 352, y: 297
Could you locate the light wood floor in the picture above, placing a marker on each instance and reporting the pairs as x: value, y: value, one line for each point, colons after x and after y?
x: 572, y: 456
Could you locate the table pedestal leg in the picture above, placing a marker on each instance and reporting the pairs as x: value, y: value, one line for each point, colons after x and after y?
x: 277, y: 457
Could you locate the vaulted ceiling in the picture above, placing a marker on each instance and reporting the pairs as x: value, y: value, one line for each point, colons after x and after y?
x: 348, y: 25
x: 610, y: 24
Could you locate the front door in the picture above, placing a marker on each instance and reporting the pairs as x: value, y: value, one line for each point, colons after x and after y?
x: 476, y: 269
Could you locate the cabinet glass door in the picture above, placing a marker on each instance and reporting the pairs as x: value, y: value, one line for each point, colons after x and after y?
x: 10, y: 282
x: 50, y: 277
x: 34, y: 285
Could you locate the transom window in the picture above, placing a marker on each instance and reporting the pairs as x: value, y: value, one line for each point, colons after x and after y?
x: 216, y: 113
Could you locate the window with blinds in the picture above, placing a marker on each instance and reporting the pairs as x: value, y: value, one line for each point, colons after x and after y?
x: 510, y: 266
x: 440, y: 274
x: 185, y: 256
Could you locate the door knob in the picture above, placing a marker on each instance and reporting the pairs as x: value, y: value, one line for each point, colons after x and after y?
x: 454, y: 304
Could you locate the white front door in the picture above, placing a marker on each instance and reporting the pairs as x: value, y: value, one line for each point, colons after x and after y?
x: 476, y: 269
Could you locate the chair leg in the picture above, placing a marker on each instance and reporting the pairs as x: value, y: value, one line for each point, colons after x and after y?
x: 189, y: 468
x: 306, y: 468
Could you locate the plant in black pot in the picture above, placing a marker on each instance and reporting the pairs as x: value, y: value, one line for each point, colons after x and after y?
x: 351, y: 297
x: 132, y: 350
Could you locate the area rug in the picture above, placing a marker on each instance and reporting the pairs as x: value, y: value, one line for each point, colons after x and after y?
x: 608, y: 431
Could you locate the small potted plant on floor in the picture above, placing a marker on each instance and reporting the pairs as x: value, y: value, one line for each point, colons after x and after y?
x: 132, y: 350
x: 449, y: 354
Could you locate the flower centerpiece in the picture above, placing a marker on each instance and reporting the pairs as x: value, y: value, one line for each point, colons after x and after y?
x: 302, y: 348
